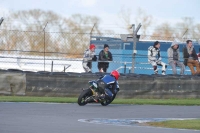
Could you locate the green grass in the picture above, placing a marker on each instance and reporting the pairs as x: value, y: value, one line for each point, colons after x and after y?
x: 37, y: 99
x: 182, y: 124
x: 159, y: 101
x: 188, y: 102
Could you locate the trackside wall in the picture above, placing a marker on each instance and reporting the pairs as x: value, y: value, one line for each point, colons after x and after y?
x: 70, y: 84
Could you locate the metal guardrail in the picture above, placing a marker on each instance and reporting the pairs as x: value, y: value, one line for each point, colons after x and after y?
x: 129, y: 68
x: 23, y: 60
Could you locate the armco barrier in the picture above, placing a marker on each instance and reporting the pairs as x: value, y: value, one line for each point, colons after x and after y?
x: 131, y: 85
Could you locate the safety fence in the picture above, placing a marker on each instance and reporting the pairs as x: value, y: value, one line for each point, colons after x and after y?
x: 63, y: 52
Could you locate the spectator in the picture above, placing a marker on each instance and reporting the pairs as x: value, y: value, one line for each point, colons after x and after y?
x: 190, y: 58
x: 198, y: 55
x: 174, y: 58
x: 104, y: 55
x: 154, y: 58
x: 89, y: 56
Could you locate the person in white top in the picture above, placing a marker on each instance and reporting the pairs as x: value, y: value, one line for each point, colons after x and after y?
x: 88, y: 57
x: 154, y: 58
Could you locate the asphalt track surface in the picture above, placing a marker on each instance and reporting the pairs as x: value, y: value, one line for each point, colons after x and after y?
x: 69, y: 118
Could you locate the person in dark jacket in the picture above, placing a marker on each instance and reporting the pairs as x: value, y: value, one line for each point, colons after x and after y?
x: 104, y: 55
x: 190, y: 58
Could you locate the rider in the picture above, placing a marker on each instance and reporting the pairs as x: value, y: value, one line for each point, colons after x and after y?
x: 154, y: 58
x: 108, y: 83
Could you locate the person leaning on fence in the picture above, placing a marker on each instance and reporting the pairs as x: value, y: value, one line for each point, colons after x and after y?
x: 174, y: 58
x: 190, y: 58
x: 104, y: 55
x: 88, y: 57
x: 154, y: 58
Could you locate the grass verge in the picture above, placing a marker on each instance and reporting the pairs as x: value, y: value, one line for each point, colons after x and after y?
x: 181, y: 124
x: 188, y: 102
x: 37, y: 99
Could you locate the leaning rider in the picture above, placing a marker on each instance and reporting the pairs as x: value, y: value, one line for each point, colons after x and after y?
x: 107, y: 83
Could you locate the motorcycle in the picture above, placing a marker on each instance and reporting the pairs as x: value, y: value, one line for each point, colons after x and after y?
x: 93, y: 94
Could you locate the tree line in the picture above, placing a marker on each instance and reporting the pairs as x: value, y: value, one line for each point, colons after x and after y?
x: 68, y: 37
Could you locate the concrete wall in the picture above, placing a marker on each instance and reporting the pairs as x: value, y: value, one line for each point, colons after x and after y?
x: 131, y: 85
x: 12, y: 83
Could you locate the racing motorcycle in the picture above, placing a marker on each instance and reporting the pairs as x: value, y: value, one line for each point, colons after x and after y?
x: 93, y: 95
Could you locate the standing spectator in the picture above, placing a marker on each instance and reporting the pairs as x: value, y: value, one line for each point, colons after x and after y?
x: 104, y: 55
x: 88, y: 57
x: 190, y: 58
x: 154, y: 58
x: 174, y: 58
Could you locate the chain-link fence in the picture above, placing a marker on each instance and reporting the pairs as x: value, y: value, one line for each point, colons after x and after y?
x: 63, y: 52
x: 42, y: 51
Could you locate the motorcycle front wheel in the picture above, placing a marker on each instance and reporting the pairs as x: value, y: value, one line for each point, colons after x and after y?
x: 83, y: 96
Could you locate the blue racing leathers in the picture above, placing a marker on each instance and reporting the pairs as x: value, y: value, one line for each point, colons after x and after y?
x: 109, y: 85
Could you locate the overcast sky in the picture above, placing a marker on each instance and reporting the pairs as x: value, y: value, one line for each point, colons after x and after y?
x: 170, y: 11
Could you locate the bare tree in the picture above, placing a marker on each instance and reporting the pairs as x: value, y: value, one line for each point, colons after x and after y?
x: 181, y: 31
x: 79, y: 28
x: 145, y: 19
x: 197, y: 31
x: 69, y: 38
x: 125, y: 16
x: 141, y: 17
x: 163, y: 32
x: 184, y: 29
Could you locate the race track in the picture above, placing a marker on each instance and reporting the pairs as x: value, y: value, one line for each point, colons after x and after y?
x: 92, y: 118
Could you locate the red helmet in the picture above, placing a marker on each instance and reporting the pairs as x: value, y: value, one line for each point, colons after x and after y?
x: 92, y: 46
x: 115, y: 74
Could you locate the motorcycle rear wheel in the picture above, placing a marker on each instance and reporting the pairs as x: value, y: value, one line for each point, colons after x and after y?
x: 106, y: 101
x: 83, y: 96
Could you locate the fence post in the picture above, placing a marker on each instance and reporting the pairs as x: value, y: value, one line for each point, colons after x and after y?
x: 92, y: 31
x: 124, y: 67
x: 52, y: 66
x: 134, y: 44
x: 44, y: 45
x: 1, y: 20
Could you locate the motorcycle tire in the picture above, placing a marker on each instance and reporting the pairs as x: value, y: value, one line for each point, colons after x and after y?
x: 106, y: 101
x: 84, y: 94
